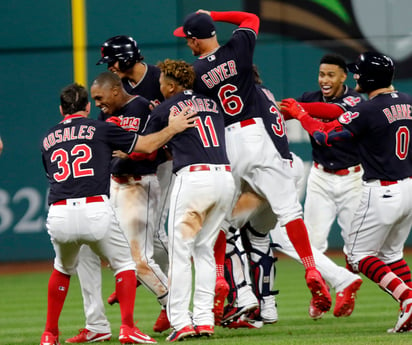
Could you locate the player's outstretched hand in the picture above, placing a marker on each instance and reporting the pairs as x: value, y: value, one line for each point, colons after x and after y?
x: 290, y: 107
x: 180, y: 121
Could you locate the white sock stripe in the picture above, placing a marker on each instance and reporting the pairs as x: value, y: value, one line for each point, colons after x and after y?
x: 387, y: 279
x: 400, y: 289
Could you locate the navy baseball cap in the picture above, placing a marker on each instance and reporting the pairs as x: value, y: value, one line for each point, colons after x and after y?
x: 199, y: 25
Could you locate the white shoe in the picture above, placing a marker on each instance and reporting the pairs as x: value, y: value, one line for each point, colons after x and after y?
x: 404, y: 323
x: 268, y: 310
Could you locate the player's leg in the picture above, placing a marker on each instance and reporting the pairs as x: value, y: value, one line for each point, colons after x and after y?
x: 90, y: 278
x: 339, y: 278
x: 272, y: 180
x: 375, y: 236
x: 114, y: 248
x: 135, y: 205
x: 216, y: 196
x: 166, y: 179
x: 348, y: 194
x: 320, y: 208
x: 241, y: 298
x: 222, y: 286
x: 262, y: 269
x: 182, y: 229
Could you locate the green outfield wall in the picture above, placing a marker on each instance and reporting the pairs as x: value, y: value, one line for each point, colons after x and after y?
x: 37, y: 60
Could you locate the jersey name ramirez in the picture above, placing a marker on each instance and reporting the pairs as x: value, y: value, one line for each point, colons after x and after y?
x: 196, y: 104
x: 68, y: 134
x: 398, y: 112
x: 219, y: 73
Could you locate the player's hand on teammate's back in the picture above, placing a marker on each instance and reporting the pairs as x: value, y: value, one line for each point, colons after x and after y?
x: 180, y: 121
x: 120, y: 154
x: 291, y: 107
x: 115, y: 120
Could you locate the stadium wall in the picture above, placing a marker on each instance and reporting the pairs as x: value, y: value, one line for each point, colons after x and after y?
x: 37, y: 60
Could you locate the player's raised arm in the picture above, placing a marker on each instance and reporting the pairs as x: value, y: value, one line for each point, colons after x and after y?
x: 177, y: 123
x: 323, y: 132
x: 243, y: 19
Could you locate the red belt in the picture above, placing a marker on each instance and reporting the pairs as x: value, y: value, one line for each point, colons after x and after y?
x: 340, y: 172
x: 388, y: 183
x: 247, y: 122
x: 89, y: 199
x: 125, y: 178
x: 206, y: 167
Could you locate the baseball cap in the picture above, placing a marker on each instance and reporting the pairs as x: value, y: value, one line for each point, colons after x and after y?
x: 199, y: 25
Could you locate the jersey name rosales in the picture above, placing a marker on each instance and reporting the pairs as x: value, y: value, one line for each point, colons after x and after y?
x: 68, y: 134
x: 219, y: 73
x: 398, y: 112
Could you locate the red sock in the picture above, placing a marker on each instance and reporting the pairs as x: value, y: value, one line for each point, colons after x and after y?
x: 126, y: 294
x: 377, y: 271
x: 402, y: 270
x: 56, y: 295
x: 219, y: 251
x: 298, y: 235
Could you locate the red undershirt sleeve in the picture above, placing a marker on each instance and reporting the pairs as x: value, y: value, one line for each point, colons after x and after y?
x: 323, y: 110
x: 242, y: 19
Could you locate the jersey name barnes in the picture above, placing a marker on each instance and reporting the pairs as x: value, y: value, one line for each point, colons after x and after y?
x: 398, y: 112
x: 196, y: 104
x: 68, y: 134
x: 219, y: 73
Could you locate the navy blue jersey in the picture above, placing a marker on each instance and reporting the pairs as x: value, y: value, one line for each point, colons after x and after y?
x: 148, y: 86
x: 273, y: 120
x: 204, y: 143
x: 133, y: 117
x: 77, y: 153
x: 343, y: 154
x: 226, y: 76
x: 383, y: 127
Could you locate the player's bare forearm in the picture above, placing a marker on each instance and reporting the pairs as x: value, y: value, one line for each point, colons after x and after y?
x: 177, y: 123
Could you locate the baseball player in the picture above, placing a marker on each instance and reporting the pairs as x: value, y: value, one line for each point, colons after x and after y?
x: 258, y: 245
x: 123, y: 57
x: 383, y: 219
x: 225, y: 73
x: 344, y: 282
x: 335, y: 180
x: 134, y: 193
x: 76, y: 155
x: 202, y: 194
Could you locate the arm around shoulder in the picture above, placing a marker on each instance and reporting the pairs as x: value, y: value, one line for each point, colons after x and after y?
x: 177, y: 123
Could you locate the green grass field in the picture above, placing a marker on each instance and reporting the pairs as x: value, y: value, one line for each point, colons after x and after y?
x: 23, y: 299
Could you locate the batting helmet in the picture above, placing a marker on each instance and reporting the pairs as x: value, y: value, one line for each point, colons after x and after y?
x: 120, y: 48
x: 375, y: 70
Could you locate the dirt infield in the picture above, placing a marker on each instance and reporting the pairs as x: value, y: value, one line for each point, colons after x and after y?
x: 25, y: 266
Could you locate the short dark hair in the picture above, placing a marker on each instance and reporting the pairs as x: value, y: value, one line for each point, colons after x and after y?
x: 73, y: 98
x: 334, y: 59
x: 109, y: 78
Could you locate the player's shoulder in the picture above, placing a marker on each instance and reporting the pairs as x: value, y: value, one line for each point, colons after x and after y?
x: 153, y: 70
x: 311, y: 96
